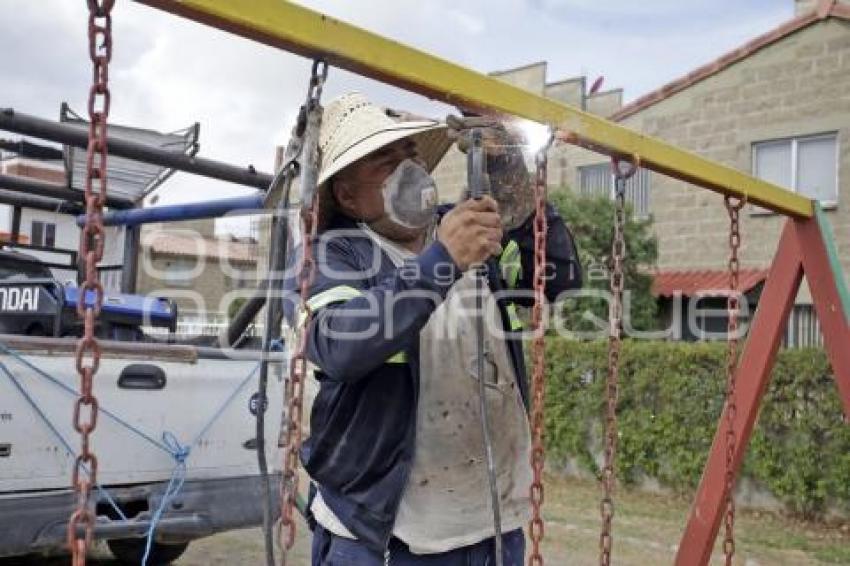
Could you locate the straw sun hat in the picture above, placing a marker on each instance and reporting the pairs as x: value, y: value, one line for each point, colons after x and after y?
x: 353, y: 127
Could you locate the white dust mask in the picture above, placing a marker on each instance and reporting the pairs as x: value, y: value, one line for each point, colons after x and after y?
x: 410, y: 195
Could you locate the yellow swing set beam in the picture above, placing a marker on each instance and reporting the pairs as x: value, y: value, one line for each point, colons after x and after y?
x: 288, y: 26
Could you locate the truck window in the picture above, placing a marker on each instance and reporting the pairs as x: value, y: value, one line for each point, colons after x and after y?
x: 22, y: 270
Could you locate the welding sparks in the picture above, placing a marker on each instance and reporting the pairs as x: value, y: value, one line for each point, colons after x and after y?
x: 536, y: 135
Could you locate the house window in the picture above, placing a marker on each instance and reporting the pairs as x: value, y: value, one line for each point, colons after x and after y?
x: 595, y: 180
x: 179, y: 272
x: 43, y: 234
x: 805, y: 165
x: 598, y: 181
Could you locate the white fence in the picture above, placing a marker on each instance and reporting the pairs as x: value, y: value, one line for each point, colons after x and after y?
x: 803, y: 329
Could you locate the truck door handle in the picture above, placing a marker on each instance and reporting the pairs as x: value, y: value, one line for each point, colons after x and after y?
x: 142, y: 376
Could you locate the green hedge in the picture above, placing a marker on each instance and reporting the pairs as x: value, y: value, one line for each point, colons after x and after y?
x: 671, y: 395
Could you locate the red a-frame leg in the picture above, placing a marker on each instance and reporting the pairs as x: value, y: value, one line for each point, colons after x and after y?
x: 801, y: 247
x: 832, y: 313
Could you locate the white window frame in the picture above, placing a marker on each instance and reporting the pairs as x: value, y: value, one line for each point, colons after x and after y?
x: 180, y: 277
x: 795, y: 142
x: 44, y: 224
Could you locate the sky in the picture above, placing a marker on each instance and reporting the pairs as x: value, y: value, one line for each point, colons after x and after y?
x: 168, y: 73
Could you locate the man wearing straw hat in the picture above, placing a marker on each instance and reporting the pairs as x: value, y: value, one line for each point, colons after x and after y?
x: 395, y: 451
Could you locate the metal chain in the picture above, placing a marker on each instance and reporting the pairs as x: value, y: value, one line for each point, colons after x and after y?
x: 538, y: 375
x: 615, y: 317
x: 733, y: 208
x: 90, y: 298
x: 298, y: 363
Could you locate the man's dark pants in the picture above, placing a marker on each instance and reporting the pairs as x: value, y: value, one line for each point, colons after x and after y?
x: 331, y: 550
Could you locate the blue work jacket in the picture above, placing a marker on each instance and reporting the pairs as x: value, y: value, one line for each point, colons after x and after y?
x: 364, y: 337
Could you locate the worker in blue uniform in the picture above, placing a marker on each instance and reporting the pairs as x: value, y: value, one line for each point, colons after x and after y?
x: 395, y: 452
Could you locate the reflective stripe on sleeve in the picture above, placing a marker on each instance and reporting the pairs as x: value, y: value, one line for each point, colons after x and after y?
x: 336, y: 294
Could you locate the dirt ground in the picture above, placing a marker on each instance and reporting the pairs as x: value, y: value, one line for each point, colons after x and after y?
x: 647, y: 530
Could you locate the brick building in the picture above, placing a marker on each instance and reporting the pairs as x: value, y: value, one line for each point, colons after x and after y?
x: 201, y: 272
x: 777, y: 107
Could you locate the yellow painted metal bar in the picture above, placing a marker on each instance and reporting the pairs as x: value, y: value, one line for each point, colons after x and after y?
x: 309, y: 33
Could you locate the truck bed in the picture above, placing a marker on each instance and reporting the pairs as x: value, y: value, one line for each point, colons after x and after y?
x: 204, y: 403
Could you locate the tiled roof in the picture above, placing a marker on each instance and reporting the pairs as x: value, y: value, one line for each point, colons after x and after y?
x: 177, y: 244
x: 7, y: 237
x: 689, y: 283
x: 826, y: 9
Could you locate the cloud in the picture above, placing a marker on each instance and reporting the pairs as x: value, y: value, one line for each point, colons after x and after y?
x: 468, y: 23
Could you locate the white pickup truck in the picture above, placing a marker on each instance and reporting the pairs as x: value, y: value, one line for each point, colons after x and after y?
x: 157, y: 401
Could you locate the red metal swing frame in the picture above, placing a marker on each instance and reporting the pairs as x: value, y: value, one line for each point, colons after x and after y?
x: 803, y: 249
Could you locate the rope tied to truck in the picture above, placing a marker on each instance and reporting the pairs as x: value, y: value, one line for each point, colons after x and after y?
x: 169, y: 442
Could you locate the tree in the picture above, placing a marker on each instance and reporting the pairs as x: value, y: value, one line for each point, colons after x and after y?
x: 591, y: 220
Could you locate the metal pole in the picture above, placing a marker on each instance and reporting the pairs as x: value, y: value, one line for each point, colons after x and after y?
x: 829, y: 292
x: 290, y: 26
x: 16, y: 223
x: 244, y: 316
x: 180, y: 212
x: 478, y: 187
x: 53, y: 190
x: 756, y: 362
x: 130, y: 270
x: 77, y: 136
x: 22, y: 201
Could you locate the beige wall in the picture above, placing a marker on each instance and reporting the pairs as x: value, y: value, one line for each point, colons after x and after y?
x: 210, y: 282
x: 211, y: 285
x: 604, y: 103
x: 530, y: 77
x: 798, y: 86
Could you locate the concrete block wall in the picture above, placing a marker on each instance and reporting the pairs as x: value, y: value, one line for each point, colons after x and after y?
x: 207, y: 290
x: 798, y: 86
x: 604, y: 103
x: 529, y: 77
x: 570, y: 91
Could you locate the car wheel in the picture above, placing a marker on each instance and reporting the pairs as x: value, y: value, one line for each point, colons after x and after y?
x: 132, y: 550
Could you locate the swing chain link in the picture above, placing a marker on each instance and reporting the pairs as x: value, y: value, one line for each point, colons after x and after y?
x: 538, y: 386
x: 733, y: 209
x: 90, y: 293
x: 298, y: 363
x: 318, y: 76
x: 617, y: 285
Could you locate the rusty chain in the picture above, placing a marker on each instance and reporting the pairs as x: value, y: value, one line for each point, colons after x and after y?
x: 615, y: 317
x: 733, y: 209
x: 538, y: 375
x: 90, y: 293
x: 298, y: 364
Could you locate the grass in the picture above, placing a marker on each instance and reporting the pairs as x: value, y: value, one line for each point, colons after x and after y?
x: 647, y: 528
